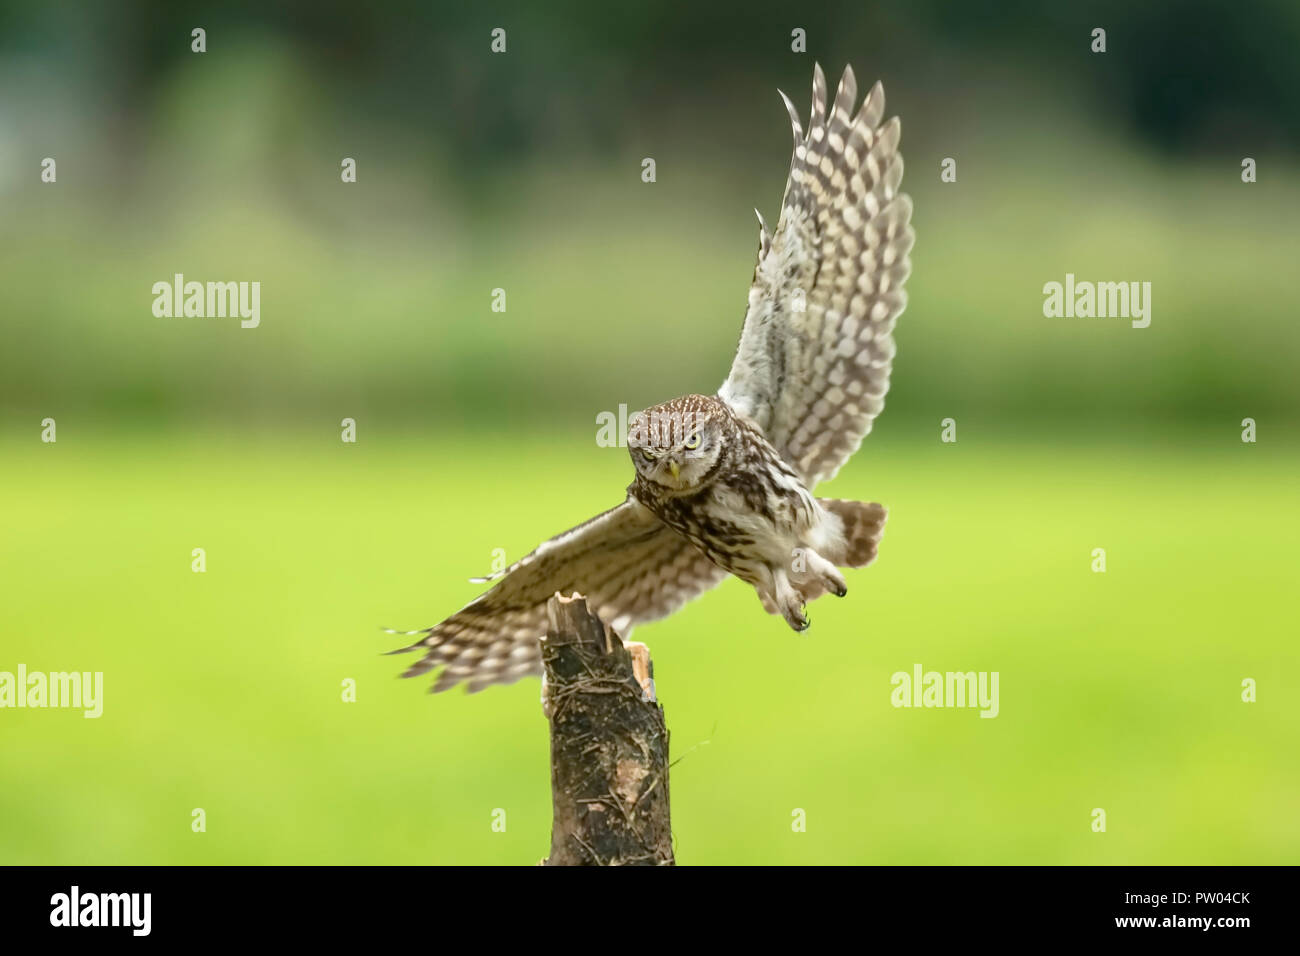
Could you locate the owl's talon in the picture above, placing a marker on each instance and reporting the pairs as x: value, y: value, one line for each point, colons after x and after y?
x: 795, y: 617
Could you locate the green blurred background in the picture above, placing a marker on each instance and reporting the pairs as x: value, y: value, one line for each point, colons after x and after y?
x: 476, y: 429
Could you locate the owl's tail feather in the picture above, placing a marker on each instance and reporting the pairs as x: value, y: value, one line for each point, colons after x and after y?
x: 864, y: 526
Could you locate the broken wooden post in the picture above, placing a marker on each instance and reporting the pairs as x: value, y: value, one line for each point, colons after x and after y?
x: 609, y: 745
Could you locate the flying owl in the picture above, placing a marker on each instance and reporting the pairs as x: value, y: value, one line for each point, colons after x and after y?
x: 724, y: 484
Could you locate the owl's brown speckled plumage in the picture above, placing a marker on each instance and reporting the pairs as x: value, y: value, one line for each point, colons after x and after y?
x: 748, y: 478
x: 723, y: 484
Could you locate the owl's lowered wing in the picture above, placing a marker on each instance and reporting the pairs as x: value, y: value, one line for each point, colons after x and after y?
x: 816, y: 349
x: 630, y: 566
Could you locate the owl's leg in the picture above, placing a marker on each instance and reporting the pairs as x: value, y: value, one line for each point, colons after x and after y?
x: 787, y: 598
x: 825, y: 572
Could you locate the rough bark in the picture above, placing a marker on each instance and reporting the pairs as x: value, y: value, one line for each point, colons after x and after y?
x: 609, y: 745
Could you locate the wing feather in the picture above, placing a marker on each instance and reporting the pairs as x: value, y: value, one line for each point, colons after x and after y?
x: 817, y: 346
x: 631, y: 567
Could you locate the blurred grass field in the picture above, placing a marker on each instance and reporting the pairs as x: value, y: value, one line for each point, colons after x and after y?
x: 644, y: 291
x: 222, y: 690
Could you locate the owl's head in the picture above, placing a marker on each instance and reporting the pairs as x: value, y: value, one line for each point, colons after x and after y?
x: 676, y: 444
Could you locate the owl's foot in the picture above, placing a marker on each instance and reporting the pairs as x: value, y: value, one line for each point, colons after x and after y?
x: 796, y: 618
x: 825, y: 573
x: 788, y: 600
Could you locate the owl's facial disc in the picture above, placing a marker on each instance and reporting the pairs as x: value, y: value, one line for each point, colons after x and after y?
x: 675, y: 445
x: 678, y: 457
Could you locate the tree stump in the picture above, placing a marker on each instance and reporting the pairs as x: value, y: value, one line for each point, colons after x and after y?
x: 609, y: 745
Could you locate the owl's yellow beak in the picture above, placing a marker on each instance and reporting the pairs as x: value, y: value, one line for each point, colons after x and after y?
x: 674, y: 468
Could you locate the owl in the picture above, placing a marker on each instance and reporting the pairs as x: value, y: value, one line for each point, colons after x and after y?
x: 724, y: 483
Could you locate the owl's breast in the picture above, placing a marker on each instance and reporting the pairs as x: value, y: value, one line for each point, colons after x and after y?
x: 741, y: 521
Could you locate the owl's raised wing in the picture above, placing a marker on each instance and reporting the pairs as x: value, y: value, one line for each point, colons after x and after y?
x: 630, y: 566
x: 815, y: 353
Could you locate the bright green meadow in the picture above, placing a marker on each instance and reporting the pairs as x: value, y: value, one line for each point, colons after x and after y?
x: 1119, y: 690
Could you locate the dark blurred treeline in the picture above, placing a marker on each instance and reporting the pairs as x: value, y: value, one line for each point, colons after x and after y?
x: 1180, y: 75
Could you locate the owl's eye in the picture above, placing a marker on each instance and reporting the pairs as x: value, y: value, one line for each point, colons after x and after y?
x: 693, y: 441
x: 649, y: 455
